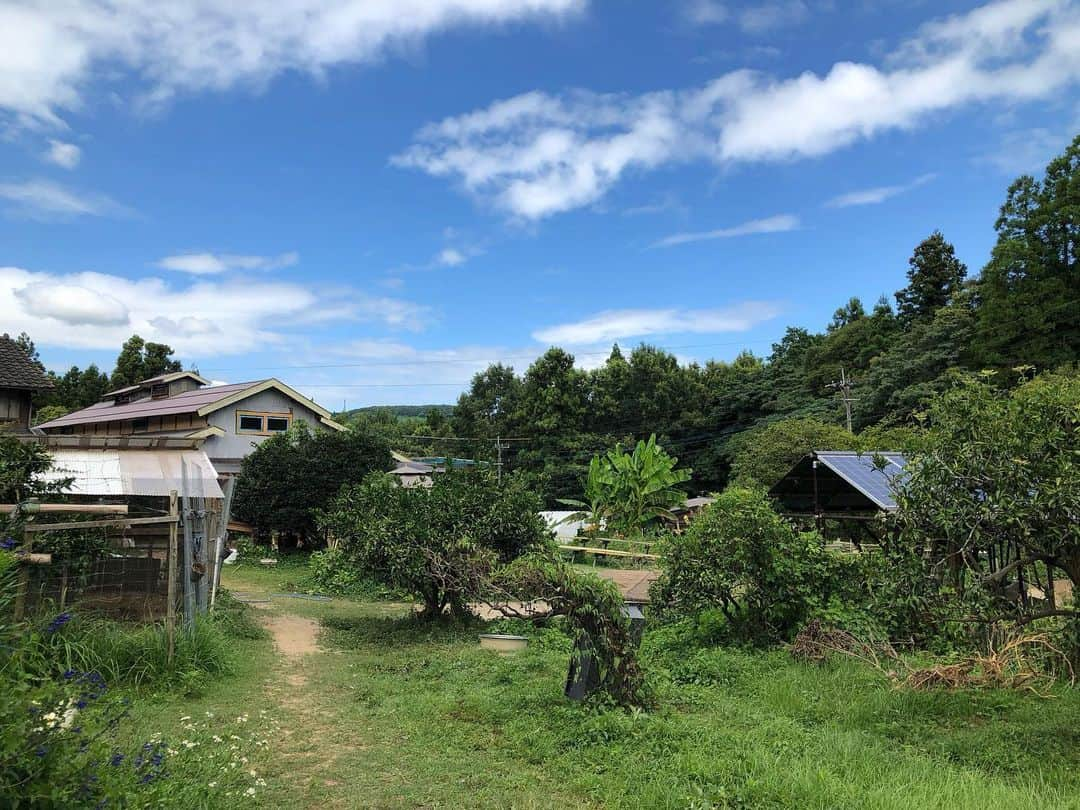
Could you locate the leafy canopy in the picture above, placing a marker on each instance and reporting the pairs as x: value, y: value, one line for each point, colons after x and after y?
x: 289, y: 477
x: 440, y: 543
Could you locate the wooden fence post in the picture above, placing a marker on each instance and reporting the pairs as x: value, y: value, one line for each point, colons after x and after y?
x: 170, y: 606
x: 24, y: 577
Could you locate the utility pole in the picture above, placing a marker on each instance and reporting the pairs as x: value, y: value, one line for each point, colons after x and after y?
x: 844, y: 387
x: 499, y: 447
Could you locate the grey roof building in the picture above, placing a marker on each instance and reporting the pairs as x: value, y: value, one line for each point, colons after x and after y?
x: 20, y: 377
x: 227, y: 420
x: 841, y: 483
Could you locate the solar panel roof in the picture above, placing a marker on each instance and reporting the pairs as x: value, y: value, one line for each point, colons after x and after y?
x: 862, y: 471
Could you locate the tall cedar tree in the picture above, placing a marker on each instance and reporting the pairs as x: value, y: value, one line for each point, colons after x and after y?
x: 1029, y: 311
x: 139, y: 360
x: 934, y: 274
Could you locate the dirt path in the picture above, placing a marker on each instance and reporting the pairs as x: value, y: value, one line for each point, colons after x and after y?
x: 294, y: 635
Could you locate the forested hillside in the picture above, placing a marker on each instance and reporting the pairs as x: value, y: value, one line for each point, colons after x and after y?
x: 1021, y: 312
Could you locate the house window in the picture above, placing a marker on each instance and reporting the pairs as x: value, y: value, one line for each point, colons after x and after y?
x: 139, y: 425
x: 262, y: 422
x: 159, y: 391
x: 250, y: 423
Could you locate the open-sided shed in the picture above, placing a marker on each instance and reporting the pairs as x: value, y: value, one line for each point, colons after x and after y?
x: 841, y: 484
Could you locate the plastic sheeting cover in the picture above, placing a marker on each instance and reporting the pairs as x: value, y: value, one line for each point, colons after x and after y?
x: 135, y: 472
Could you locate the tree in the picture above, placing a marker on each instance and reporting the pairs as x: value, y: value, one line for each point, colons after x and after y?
x: 139, y: 360
x: 919, y: 364
x: 995, y: 489
x: 765, y: 455
x: 440, y: 544
x: 742, y: 558
x: 1029, y: 292
x: 934, y: 274
x: 849, y: 313
x: 79, y: 388
x: 487, y: 408
x: 289, y: 477
x: 553, y: 396
x: 632, y: 490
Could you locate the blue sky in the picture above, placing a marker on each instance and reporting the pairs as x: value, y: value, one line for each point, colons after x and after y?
x: 374, y: 199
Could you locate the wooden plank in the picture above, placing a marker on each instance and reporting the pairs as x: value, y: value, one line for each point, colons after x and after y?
x: 31, y: 508
x: 611, y: 553
x: 95, y: 524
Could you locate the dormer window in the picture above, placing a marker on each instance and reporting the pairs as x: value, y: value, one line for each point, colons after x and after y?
x: 159, y: 391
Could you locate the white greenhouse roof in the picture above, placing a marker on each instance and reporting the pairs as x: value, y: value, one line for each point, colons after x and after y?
x: 135, y: 472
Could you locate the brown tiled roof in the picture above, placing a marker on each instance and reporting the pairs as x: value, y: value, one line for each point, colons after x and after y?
x: 187, y: 402
x: 19, y: 371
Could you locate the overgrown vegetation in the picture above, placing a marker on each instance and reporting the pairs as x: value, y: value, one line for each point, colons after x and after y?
x: 288, y: 478
x: 438, y: 544
x: 628, y: 492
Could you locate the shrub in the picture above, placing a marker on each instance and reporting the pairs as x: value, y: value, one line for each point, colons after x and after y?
x: 436, y: 543
x: 330, y: 572
x: 742, y: 558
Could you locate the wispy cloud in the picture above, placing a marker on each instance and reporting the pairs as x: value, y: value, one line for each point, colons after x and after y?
x: 64, y: 155
x: 1026, y: 151
x: 538, y: 154
x: 617, y: 324
x: 51, y: 51
x: 203, y: 317
x: 214, y: 263
x: 777, y: 224
x: 879, y: 194
x: 46, y: 200
x: 705, y: 12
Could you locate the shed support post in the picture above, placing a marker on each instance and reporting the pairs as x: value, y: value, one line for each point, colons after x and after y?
x: 170, y: 599
x: 187, y: 515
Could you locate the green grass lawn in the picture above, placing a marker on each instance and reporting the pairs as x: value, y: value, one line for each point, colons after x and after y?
x: 389, y: 714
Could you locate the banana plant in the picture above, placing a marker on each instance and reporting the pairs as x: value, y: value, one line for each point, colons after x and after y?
x: 628, y: 491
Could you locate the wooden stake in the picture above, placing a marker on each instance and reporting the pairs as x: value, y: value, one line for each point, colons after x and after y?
x: 24, y: 578
x: 170, y: 606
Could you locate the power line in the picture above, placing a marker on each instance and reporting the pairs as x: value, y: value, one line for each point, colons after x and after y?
x: 461, y: 361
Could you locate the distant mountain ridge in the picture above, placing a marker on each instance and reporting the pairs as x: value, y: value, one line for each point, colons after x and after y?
x: 399, y: 411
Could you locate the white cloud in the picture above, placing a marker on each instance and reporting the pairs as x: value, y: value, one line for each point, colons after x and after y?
x: 64, y: 155
x: 874, y: 196
x: 536, y: 154
x: 705, y: 12
x: 46, y: 200
x: 213, y: 263
x: 206, y: 317
x: 618, y: 324
x: 50, y: 52
x: 768, y: 16
x: 71, y: 304
x: 450, y: 257
x: 776, y: 224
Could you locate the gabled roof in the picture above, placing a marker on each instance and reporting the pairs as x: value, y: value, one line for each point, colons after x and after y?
x: 19, y: 371
x: 158, y: 380
x: 201, y: 402
x: 846, y: 481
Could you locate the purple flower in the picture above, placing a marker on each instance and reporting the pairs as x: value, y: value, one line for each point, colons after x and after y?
x: 8, y: 543
x: 41, y: 751
x: 58, y: 622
